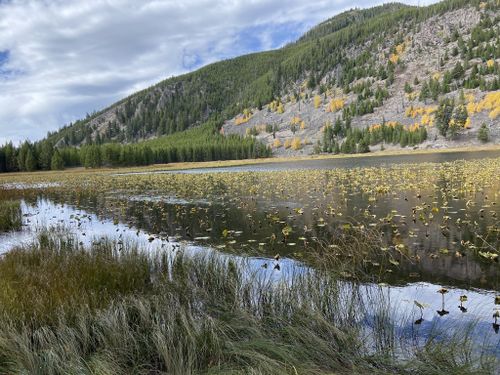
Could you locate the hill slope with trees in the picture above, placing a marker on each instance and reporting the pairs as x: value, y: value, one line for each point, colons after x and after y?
x: 389, y: 76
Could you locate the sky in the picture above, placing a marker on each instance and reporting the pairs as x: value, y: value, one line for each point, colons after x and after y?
x: 62, y: 59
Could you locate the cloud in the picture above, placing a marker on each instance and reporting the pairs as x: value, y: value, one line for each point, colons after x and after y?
x: 60, y: 59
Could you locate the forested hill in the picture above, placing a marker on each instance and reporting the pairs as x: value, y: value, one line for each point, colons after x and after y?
x: 228, y: 87
x: 389, y: 76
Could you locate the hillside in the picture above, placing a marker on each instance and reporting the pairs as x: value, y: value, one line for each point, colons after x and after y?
x: 339, y: 54
x: 220, y: 89
x: 427, y: 82
x: 368, y: 79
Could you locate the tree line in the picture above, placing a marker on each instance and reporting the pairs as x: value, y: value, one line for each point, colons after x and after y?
x: 341, y: 138
x: 204, y: 143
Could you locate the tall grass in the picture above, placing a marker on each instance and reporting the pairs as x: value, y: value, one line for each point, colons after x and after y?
x: 10, y: 215
x: 112, y: 309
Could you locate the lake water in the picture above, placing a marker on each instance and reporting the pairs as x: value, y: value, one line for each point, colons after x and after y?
x: 440, y: 315
x: 345, y: 162
x: 432, y: 223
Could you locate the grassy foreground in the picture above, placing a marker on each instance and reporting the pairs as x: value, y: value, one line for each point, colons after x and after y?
x: 113, y: 309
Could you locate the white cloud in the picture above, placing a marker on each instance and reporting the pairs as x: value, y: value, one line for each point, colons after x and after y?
x: 67, y: 58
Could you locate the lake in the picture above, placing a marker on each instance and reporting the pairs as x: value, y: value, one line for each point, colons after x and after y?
x: 401, y: 227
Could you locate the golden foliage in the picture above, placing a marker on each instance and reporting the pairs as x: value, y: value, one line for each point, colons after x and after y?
x: 427, y: 120
x: 391, y: 124
x: 277, y: 143
x: 395, y: 57
x: 420, y: 111
x: 277, y: 106
x: 491, y: 102
x: 400, y: 48
x: 470, y: 98
x: 296, y: 144
x: 247, y: 115
x: 287, y: 143
x: 413, y: 128
x: 495, y: 113
x: 317, y: 101
x: 412, y: 96
x: 336, y: 104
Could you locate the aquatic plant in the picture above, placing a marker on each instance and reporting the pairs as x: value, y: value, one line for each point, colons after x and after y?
x: 123, y: 310
x: 10, y: 215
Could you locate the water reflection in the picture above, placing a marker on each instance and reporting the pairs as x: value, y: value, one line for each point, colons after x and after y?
x: 437, y: 238
x: 417, y: 307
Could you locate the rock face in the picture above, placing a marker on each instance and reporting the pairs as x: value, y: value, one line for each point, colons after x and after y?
x: 422, y: 52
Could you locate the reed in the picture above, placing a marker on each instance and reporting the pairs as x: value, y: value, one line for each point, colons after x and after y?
x: 10, y: 215
x: 115, y: 309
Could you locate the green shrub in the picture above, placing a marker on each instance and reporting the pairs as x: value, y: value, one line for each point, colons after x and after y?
x: 483, y: 134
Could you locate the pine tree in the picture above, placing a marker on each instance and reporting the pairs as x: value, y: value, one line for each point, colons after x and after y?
x: 443, y: 116
x: 458, y: 71
x: 30, y: 161
x: 363, y: 147
x: 57, y: 162
x: 45, y: 157
x: 483, y: 134
x: 424, y: 92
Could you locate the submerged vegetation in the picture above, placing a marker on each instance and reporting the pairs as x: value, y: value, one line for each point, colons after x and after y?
x: 413, y: 216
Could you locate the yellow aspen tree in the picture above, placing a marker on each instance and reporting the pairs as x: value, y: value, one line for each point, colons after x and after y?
x: 296, y: 144
x: 317, y: 101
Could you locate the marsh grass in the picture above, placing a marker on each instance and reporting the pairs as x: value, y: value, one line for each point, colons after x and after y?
x: 10, y: 215
x: 56, y: 273
x: 355, y: 251
x: 114, y: 309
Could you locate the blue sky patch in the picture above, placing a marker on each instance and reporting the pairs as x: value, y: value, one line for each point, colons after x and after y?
x: 4, y: 56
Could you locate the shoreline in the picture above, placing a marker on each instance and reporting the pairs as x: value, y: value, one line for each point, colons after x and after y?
x: 243, y: 162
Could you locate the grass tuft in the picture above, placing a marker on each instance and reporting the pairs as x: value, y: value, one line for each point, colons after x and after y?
x: 115, y: 309
x: 10, y: 215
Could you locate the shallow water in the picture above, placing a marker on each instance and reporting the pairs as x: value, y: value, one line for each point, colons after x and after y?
x: 252, y: 221
x: 88, y: 227
x: 432, y: 224
x: 347, y: 162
